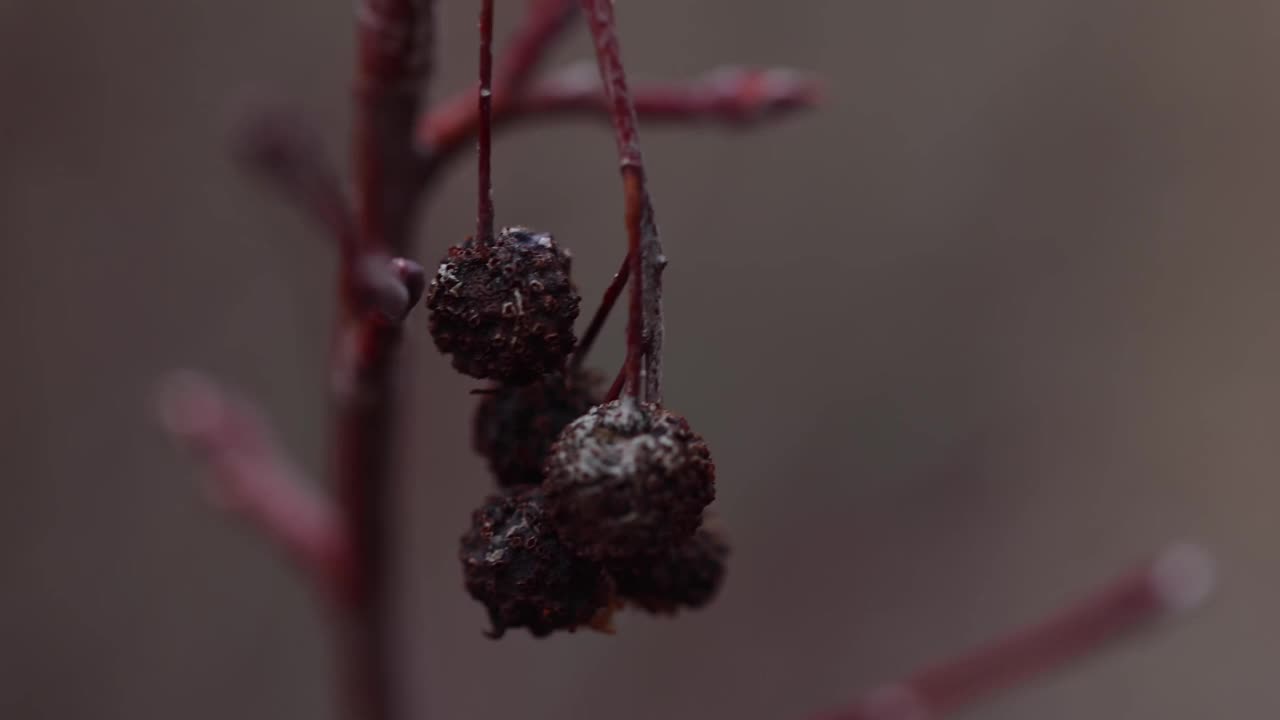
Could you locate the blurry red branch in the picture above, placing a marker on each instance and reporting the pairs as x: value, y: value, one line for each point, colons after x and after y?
x: 543, y: 24
x: 394, y: 52
x: 1178, y: 579
x: 251, y: 475
x: 729, y: 95
x: 278, y: 144
x: 393, y: 39
x: 445, y: 131
x: 733, y: 96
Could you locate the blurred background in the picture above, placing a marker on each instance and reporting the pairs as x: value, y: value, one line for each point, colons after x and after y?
x: 994, y: 323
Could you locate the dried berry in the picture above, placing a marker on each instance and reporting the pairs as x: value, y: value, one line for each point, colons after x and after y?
x: 505, y: 309
x: 686, y: 575
x: 515, y: 426
x: 514, y: 564
x: 628, y: 479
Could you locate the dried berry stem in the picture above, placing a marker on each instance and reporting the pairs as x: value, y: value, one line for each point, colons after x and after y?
x: 251, y: 475
x: 447, y: 128
x: 484, y: 210
x: 393, y: 47
x: 1178, y: 579
x: 637, y: 350
x: 644, y: 330
x: 610, y: 298
x: 619, y: 382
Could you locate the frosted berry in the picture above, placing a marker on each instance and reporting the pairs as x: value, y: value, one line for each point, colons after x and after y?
x: 515, y: 426
x: 505, y: 309
x: 628, y: 479
x: 513, y: 563
x: 686, y: 575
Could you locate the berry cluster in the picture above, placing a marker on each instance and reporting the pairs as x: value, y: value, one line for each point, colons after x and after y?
x: 599, y: 504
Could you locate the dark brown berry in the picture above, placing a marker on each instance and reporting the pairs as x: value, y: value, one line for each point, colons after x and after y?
x: 628, y: 479
x: 505, y: 309
x: 686, y: 575
x: 515, y: 426
x: 514, y: 564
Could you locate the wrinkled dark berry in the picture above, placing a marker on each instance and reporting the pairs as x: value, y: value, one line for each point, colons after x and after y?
x: 515, y: 426
x: 513, y: 563
x: 686, y: 575
x: 505, y: 310
x: 628, y: 479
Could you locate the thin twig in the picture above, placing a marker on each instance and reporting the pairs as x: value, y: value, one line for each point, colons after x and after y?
x: 544, y: 22
x: 252, y: 476
x: 619, y: 382
x: 1177, y: 580
x: 737, y: 97
x: 445, y: 131
x: 484, y: 190
x: 644, y: 331
x: 610, y: 298
x: 280, y: 145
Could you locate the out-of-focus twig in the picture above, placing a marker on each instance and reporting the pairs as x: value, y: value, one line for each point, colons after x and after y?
x: 250, y: 475
x: 1177, y: 580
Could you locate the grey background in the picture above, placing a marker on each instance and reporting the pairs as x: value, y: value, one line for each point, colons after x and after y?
x: 993, y: 324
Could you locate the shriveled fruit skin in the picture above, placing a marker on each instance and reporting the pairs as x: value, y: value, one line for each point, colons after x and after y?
x: 505, y: 309
x: 514, y: 564
x: 628, y: 479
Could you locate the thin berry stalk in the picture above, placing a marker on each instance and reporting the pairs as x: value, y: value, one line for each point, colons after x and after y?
x: 484, y: 177
x: 610, y: 298
x: 644, y: 329
x: 619, y: 382
x: 444, y: 131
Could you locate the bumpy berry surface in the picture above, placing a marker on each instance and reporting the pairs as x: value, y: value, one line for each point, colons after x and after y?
x: 686, y: 575
x: 628, y: 479
x: 505, y: 310
x: 515, y: 565
x: 515, y: 426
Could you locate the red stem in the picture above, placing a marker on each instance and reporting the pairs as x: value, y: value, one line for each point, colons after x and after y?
x: 1179, y: 579
x: 619, y: 382
x: 610, y: 298
x: 251, y: 475
x: 281, y: 146
x: 644, y: 329
x: 392, y: 36
x: 544, y: 21
x: 632, y: 188
x: 732, y: 96
x: 484, y: 210
x: 393, y: 43
x: 542, y: 24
